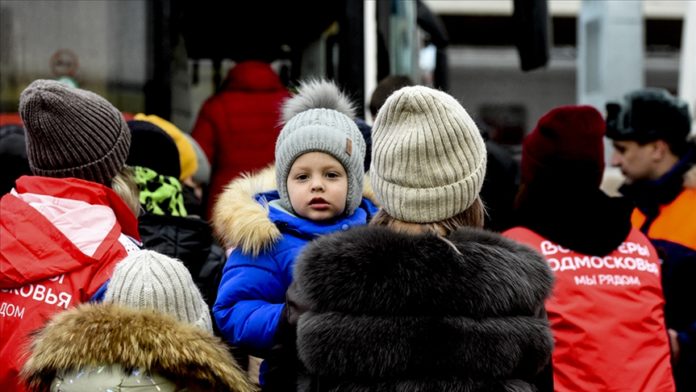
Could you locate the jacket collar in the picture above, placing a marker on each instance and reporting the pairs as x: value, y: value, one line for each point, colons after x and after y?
x: 241, y: 217
x: 586, y: 221
x: 649, y: 195
x: 87, y: 191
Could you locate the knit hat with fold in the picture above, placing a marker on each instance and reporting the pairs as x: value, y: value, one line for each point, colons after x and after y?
x: 72, y: 132
x: 147, y: 279
x: 428, y: 156
x: 320, y: 118
x: 567, y: 145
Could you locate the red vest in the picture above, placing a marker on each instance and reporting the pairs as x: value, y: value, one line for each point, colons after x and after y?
x: 607, y: 317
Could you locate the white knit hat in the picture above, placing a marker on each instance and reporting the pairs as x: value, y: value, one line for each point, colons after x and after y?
x: 428, y: 156
x: 147, y: 279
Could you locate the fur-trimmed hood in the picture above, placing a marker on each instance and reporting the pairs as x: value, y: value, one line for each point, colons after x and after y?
x: 240, y: 221
x: 103, y: 334
x: 414, y: 312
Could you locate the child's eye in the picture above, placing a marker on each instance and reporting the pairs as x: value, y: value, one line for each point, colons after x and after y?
x: 301, y: 177
x: 332, y: 175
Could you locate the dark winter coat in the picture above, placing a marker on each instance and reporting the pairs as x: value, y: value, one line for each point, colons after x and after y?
x: 666, y: 213
x: 387, y: 311
x: 190, y: 240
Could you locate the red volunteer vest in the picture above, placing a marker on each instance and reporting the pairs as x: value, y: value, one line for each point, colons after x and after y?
x: 606, y: 314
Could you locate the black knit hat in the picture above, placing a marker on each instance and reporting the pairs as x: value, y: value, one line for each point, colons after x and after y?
x: 73, y: 132
x: 153, y: 148
x: 649, y: 114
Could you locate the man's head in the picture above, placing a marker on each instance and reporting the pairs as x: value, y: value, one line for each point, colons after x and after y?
x: 649, y: 131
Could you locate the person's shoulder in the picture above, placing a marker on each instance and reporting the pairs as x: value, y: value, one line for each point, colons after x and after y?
x: 241, y: 213
x: 684, y: 202
x: 459, y: 265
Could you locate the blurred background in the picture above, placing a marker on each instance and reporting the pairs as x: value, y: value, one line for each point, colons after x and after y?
x: 507, y: 61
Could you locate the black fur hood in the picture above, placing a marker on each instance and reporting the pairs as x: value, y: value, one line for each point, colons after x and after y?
x: 391, y: 311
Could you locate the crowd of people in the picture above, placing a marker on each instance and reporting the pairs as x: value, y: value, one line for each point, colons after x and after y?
x: 404, y: 255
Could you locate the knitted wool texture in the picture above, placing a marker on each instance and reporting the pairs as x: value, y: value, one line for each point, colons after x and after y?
x: 428, y: 156
x: 72, y: 132
x: 324, y: 128
x: 566, y: 145
x: 147, y: 279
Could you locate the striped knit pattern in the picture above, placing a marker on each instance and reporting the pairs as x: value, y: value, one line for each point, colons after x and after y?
x: 147, y: 279
x: 428, y: 156
x: 72, y: 132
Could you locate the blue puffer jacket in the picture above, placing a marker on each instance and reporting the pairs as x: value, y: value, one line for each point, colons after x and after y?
x: 267, y: 240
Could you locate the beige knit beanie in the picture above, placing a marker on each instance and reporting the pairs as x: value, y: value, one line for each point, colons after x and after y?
x: 73, y: 132
x: 428, y: 156
x: 147, y: 279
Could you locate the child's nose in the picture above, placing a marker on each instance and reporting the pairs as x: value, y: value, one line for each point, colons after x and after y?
x: 317, y: 185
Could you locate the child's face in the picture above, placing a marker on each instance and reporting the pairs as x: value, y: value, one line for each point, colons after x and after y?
x: 317, y: 186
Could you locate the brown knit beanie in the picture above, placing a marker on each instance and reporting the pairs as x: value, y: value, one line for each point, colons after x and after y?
x: 428, y: 156
x: 72, y: 132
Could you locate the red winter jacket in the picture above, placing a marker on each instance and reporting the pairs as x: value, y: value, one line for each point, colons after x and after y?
x: 237, y: 127
x: 607, y: 317
x: 60, y: 241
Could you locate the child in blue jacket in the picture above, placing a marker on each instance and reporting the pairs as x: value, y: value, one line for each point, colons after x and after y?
x: 319, y: 179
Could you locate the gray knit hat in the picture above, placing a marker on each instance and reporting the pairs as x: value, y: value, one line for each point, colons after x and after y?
x: 147, y: 279
x: 428, y: 156
x: 73, y: 132
x: 320, y: 118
